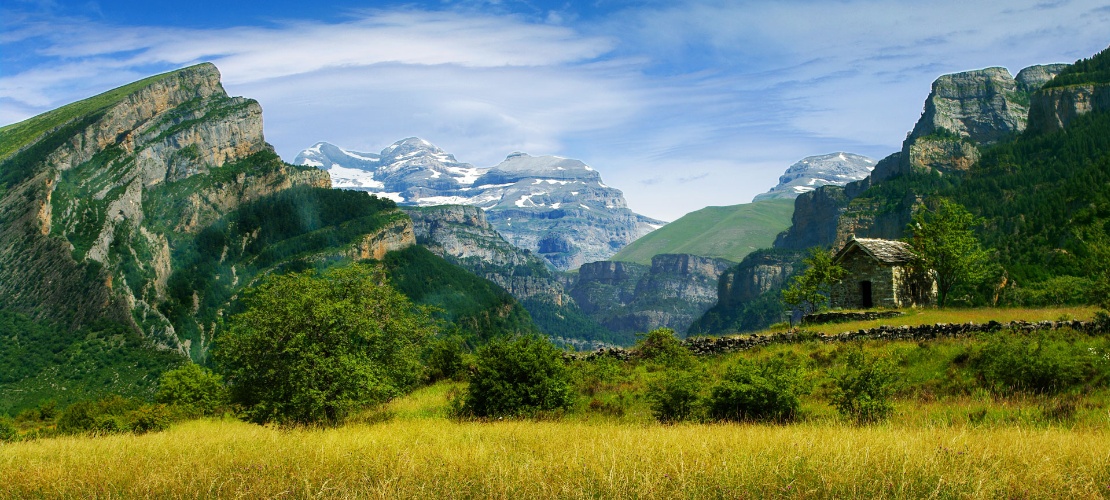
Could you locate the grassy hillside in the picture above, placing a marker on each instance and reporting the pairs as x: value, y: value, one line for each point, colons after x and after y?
x: 17, y: 135
x: 722, y: 232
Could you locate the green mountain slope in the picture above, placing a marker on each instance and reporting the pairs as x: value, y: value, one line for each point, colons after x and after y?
x: 133, y: 220
x: 727, y: 233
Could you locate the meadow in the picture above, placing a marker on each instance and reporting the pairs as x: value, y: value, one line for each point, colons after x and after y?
x: 950, y: 435
x: 418, y: 453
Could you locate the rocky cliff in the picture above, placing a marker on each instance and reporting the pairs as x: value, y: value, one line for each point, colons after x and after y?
x: 748, y: 294
x: 557, y: 208
x: 632, y: 298
x: 962, y: 112
x: 462, y: 235
x: 1054, y: 108
x: 84, y: 243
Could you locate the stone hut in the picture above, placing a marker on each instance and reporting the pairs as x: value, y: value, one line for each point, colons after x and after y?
x: 877, y: 276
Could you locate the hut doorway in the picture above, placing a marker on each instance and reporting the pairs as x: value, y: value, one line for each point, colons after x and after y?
x: 865, y: 295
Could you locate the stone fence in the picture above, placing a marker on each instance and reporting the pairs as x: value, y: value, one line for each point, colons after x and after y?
x: 842, y: 317
x: 704, y: 346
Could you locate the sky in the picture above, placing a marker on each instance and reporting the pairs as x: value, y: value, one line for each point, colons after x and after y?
x: 681, y: 104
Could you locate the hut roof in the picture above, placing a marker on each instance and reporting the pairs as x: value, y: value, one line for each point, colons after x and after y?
x: 888, y: 252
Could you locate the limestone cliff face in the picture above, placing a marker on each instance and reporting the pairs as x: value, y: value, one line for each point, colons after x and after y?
x: 1053, y: 109
x: 92, y: 223
x: 632, y: 298
x: 814, y: 219
x: 461, y: 234
x: 395, y: 236
x: 757, y: 274
x: 930, y: 153
x: 983, y: 105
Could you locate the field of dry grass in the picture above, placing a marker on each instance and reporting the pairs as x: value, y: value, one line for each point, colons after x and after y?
x: 412, y: 450
x: 979, y: 315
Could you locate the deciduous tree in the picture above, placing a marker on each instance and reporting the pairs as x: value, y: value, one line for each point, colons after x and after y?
x: 312, y: 347
x: 944, y: 242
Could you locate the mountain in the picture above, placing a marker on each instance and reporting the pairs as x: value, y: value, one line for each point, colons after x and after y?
x: 132, y: 220
x: 555, y: 207
x: 1031, y: 155
x: 727, y: 233
x: 812, y: 172
x: 964, y: 113
x: 462, y: 235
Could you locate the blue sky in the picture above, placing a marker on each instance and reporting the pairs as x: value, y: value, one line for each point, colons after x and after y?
x: 680, y: 104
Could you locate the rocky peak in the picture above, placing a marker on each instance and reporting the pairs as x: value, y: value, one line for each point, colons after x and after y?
x: 981, y: 105
x: 556, y: 207
x: 812, y: 172
x: 1031, y: 79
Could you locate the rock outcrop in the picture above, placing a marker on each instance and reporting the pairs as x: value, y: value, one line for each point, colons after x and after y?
x: 1054, y: 108
x: 557, y: 208
x: 632, y: 298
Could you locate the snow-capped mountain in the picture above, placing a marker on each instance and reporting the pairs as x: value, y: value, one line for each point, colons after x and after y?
x: 557, y: 207
x: 812, y: 172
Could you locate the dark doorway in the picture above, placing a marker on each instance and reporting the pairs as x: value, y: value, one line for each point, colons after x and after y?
x: 865, y: 295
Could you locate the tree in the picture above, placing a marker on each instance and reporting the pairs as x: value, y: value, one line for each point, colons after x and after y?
x: 311, y: 347
x: 194, y: 387
x: 521, y: 376
x: 944, y: 243
x: 809, y: 292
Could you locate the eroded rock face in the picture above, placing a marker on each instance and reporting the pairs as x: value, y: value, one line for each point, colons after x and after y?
x: 84, y: 240
x: 558, y: 208
x: 632, y: 298
x: 462, y: 235
x: 1053, y: 109
x: 982, y: 105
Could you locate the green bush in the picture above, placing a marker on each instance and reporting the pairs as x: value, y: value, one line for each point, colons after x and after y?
x: 522, y: 376
x: 768, y: 390
x: 662, y: 346
x: 676, y: 396
x: 194, y: 388
x: 863, y: 392
x: 8, y: 432
x: 106, y: 415
x: 1038, y: 363
x: 444, y: 359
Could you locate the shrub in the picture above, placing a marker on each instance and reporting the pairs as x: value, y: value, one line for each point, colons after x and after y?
x: 768, y: 390
x: 194, y: 388
x: 522, y: 376
x: 8, y: 431
x: 1028, y: 363
x: 676, y: 396
x: 662, y: 346
x: 445, y: 359
x: 106, y: 415
x: 863, y: 392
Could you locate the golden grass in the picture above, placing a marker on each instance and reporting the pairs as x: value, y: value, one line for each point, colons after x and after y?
x: 522, y: 459
x: 978, y: 315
